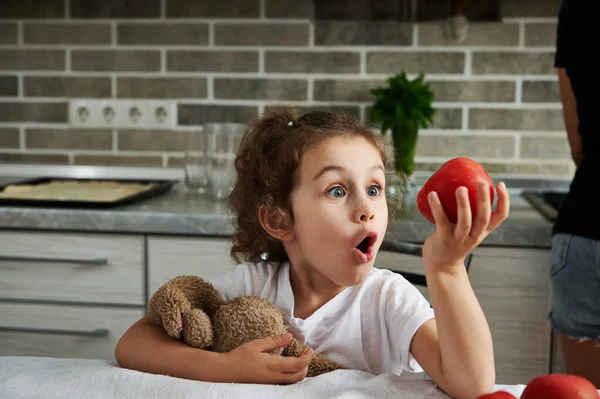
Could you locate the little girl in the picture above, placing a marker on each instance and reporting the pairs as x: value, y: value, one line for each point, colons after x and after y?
x: 311, y: 215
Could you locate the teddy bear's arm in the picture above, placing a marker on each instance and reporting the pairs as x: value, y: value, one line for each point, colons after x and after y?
x: 319, y: 364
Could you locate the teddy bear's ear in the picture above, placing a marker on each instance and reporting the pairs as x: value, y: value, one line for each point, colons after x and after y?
x: 276, y: 223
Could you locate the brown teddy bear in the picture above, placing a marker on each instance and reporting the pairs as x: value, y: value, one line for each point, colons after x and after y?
x: 192, y: 310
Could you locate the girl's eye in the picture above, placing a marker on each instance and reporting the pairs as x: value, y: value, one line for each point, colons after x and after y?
x: 373, y: 191
x: 337, y: 192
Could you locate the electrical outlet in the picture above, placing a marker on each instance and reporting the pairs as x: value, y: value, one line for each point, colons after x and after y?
x: 161, y: 114
x: 108, y: 113
x: 84, y: 113
x: 131, y: 114
x: 123, y: 114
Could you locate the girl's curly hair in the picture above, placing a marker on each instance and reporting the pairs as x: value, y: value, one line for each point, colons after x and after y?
x: 267, y: 164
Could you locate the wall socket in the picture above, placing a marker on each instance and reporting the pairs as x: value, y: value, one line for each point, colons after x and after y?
x: 122, y: 114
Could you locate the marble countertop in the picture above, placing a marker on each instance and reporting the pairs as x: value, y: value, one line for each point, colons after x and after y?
x: 179, y: 212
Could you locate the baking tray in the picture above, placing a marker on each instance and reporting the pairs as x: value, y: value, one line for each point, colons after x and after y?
x: 161, y: 186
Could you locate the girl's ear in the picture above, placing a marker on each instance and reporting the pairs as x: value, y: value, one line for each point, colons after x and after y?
x: 276, y: 223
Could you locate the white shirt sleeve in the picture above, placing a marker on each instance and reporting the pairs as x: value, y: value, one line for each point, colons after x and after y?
x: 406, y: 310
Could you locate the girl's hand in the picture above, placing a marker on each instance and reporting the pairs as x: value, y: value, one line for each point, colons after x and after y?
x: 250, y: 362
x: 449, y: 245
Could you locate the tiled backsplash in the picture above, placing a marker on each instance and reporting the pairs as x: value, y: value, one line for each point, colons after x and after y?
x: 497, y: 97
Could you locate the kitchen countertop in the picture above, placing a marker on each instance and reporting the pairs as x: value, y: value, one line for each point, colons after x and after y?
x: 181, y: 213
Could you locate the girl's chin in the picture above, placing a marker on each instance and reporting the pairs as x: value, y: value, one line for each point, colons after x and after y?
x: 356, y: 275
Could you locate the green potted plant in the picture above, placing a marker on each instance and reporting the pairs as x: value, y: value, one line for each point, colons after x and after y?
x: 402, y: 107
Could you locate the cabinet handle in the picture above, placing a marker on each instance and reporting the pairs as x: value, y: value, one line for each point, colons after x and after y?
x: 99, y: 332
x: 402, y: 248
x: 91, y: 261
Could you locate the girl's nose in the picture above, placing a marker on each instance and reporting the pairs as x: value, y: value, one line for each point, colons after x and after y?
x: 364, y: 212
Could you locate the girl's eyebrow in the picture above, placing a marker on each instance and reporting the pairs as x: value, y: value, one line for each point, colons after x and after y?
x: 341, y: 170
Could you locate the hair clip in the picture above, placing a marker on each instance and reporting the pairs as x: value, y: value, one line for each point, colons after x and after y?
x: 290, y: 123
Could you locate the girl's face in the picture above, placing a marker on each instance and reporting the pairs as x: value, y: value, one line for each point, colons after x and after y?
x: 340, y: 210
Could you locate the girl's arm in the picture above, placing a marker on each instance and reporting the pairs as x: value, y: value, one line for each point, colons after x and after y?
x: 146, y: 347
x: 456, y: 348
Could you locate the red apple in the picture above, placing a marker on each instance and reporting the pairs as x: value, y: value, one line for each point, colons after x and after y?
x: 560, y: 386
x: 497, y: 395
x: 453, y: 174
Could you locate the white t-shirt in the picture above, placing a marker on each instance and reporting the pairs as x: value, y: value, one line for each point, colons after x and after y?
x: 368, y: 327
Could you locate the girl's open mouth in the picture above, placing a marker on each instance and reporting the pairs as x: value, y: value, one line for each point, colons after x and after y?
x: 365, y: 250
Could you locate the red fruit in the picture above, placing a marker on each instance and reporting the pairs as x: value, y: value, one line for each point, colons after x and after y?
x: 453, y: 174
x: 497, y: 395
x: 560, y: 386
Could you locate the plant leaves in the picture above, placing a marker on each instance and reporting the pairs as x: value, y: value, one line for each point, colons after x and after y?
x: 403, y: 106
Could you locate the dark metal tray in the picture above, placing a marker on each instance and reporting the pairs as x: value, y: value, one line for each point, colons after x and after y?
x: 162, y: 186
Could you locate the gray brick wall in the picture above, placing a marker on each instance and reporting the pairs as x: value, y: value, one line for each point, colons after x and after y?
x: 497, y: 97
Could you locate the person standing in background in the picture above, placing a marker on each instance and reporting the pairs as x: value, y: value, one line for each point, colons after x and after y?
x: 575, y: 257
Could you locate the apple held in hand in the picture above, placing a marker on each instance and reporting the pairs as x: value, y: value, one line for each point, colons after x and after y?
x: 560, y: 386
x: 457, y: 172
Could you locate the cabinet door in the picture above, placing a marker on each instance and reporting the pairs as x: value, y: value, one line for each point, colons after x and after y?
x: 72, y: 267
x: 513, y: 288
x: 170, y: 257
x: 63, y: 331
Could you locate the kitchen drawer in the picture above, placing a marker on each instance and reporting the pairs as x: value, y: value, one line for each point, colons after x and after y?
x: 63, y: 331
x: 170, y: 257
x: 72, y: 267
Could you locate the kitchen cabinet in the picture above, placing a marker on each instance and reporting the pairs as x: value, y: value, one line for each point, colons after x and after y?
x: 75, y: 294
x: 72, y: 267
x: 512, y: 286
x: 170, y: 257
x: 83, y: 332
x: 69, y: 294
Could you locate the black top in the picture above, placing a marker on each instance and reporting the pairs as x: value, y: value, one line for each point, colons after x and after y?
x: 576, y: 44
